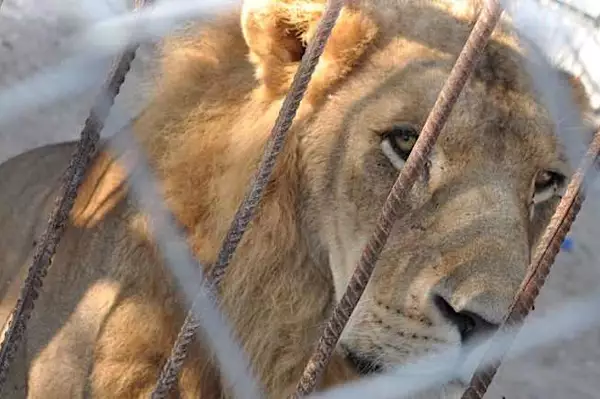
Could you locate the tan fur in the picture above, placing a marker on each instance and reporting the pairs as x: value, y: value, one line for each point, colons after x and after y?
x: 110, y: 311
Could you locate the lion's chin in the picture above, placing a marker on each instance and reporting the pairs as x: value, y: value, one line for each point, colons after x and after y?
x: 451, y: 390
x: 362, y: 364
x: 365, y: 365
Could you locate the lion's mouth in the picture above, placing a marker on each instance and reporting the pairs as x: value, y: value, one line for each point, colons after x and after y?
x: 363, y: 364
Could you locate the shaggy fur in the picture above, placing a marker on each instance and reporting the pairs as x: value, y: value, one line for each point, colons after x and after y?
x: 110, y: 310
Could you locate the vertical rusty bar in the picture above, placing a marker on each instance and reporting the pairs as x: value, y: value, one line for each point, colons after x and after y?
x: 461, y: 71
x: 537, y: 272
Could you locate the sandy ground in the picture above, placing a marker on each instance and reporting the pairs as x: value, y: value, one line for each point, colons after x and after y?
x: 33, y: 36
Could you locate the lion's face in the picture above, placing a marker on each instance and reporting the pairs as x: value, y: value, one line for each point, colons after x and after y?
x: 464, y: 237
x: 465, y: 234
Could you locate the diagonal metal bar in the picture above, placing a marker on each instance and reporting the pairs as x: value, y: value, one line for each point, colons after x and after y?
x: 461, y: 71
x: 536, y: 275
x: 170, y: 241
x: 279, y: 132
x: 246, y: 210
x: 71, y: 180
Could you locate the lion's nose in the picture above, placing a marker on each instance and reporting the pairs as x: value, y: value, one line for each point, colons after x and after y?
x: 470, y: 325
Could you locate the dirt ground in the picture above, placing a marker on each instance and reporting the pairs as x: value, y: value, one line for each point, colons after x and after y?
x: 35, y: 35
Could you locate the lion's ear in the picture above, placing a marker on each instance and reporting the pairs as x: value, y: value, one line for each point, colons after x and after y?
x: 278, y: 31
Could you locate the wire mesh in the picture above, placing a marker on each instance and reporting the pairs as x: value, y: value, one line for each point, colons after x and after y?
x: 593, y: 20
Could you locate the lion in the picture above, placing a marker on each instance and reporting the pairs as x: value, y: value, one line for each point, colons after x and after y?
x: 110, y: 308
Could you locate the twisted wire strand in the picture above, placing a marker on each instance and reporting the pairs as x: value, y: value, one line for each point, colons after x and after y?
x: 537, y: 272
x: 246, y: 210
x: 461, y: 71
x: 59, y: 215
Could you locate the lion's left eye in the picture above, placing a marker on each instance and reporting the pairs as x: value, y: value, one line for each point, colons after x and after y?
x: 547, y: 185
x: 398, y: 142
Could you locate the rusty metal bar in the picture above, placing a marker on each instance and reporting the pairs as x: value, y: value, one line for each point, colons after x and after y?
x: 58, y: 219
x: 247, y: 208
x: 461, y: 71
x: 536, y: 275
x: 539, y: 269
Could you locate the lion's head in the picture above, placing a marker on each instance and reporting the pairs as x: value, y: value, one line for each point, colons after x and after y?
x: 465, y: 235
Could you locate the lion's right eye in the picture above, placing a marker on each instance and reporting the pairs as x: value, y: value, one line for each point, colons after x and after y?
x: 398, y: 142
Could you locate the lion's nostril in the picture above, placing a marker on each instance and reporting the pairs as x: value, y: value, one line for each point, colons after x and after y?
x: 469, y: 325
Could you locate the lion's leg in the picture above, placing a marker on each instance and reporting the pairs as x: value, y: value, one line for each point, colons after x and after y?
x: 132, y: 348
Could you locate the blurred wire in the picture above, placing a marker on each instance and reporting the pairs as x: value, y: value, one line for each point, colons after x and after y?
x: 233, y: 363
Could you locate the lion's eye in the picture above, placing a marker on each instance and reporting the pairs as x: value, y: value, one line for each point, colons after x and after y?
x: 548, y: 184
x: 398, y: 142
